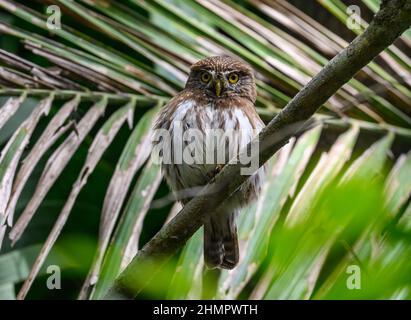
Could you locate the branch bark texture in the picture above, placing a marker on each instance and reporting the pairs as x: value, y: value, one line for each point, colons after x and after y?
x: 393, y: 18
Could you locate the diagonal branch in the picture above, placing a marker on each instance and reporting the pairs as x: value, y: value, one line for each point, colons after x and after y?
x: 393, y: 18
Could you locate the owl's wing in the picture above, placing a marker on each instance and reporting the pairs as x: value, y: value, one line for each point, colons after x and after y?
x: 165, y: 116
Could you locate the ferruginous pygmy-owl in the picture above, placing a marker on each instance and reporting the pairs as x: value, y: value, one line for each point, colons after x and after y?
x: 219, y: 94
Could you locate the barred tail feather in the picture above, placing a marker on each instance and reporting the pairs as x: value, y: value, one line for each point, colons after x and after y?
x: 220, y: 241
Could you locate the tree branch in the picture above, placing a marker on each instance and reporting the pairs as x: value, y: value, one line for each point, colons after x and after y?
x: 393, y: 18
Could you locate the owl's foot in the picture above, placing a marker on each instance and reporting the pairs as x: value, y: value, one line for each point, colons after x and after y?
x: 218, y: 168
x: 212, y: 173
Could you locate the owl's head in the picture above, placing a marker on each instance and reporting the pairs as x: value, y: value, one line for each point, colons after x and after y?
x: 223, y: 77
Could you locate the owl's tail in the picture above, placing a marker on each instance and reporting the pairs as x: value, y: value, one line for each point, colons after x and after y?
x: 220, y: 241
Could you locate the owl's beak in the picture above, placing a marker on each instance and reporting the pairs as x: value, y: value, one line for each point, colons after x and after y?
x: 217, y: 86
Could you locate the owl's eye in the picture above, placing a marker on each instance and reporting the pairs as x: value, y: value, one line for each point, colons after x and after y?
x: 233, y: 78
x: 205, y: 77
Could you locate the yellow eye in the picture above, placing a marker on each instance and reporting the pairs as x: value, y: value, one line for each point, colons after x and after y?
x: 205, y: 77
x: 233, y: 78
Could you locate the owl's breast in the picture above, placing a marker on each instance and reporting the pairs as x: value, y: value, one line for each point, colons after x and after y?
x: 203, y: 136
x: 217, y: 133
x: 193, y: 115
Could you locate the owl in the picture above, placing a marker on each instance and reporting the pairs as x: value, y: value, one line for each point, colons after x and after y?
x: 219, y: 95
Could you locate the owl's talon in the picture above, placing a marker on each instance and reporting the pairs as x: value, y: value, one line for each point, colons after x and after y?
x: 218, y: 168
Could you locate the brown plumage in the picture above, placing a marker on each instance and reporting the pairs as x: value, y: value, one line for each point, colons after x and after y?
x: 219, y: 95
